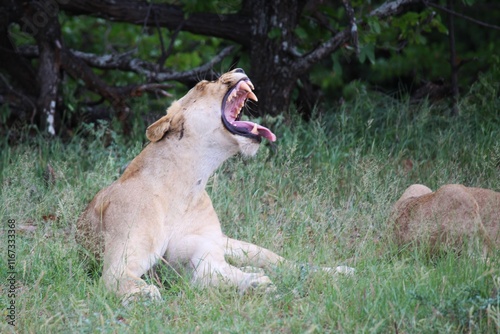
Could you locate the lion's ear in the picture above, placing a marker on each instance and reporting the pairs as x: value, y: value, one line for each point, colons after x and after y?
x: 157, y: 130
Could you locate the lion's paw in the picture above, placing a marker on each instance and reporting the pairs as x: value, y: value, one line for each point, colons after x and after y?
x: 149, y: 292
x: 345, y: 270
x: 257, y: 283
x: 253, y: 270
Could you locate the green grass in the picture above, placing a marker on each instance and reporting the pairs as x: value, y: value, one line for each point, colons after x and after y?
x: 321, y: 196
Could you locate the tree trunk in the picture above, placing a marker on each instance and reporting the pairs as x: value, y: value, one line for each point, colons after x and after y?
x: 271, y: 54
x: 45, y: 27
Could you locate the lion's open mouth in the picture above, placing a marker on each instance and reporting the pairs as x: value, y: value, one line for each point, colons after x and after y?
x: 232, y: 104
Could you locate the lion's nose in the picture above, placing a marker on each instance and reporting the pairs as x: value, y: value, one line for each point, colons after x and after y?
x: 239, y: 70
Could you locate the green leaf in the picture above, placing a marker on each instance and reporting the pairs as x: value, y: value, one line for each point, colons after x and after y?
x: 301, y: 33
x: 436, y: 23
x: 274, y: 33
x: 367, y: 51
x: 374, y: 26
x: 420, y: 39
x: 337, y: 67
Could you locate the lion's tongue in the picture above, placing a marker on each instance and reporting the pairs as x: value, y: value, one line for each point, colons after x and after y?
x: 256, y: 129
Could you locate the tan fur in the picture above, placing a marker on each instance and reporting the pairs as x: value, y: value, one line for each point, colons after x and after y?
x: 447, y: 217
x: 159, y: 206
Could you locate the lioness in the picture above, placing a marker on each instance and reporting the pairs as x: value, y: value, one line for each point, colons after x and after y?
x: 447, y: 217
x: 159, y: 206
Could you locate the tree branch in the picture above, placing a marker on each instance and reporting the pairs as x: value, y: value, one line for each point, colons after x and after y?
x: 166, y: 53
x: 304, y: 63
x: 235, y: 27
x: 17, y: 101
x: 392, y: 8
x: 77, y: 68
x: 124, y: 62
x: 468, y: 18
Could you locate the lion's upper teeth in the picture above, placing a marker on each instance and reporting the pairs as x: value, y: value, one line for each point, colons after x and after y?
x: 252, y: 96
x: 244, y: 86
x: 238, y: 96
x: 233, y: 94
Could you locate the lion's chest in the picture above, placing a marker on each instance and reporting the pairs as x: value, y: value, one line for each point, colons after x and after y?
x: 188, y: 225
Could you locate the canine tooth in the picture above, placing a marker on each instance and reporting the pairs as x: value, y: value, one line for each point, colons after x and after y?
x: 254, y: 130
x: 244, y: 86
x: 252, y: 96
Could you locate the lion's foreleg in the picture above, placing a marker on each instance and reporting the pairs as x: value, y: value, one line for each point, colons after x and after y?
x: 211, y: 269
x: 247, y: 254
x: 123, y: 268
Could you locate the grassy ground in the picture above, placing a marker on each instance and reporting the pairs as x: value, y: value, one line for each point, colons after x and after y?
x: 321, y: 196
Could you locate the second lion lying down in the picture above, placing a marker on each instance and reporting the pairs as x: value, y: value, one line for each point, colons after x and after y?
x: 450, y: 216
x: 159, y: 206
